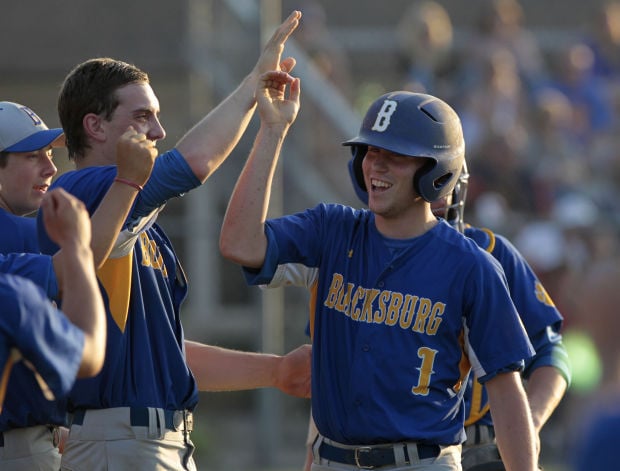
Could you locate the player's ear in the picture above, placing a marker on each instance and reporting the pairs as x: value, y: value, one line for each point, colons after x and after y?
x: 93, y: 126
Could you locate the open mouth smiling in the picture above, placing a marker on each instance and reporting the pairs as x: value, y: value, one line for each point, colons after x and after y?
x: 379, y: 184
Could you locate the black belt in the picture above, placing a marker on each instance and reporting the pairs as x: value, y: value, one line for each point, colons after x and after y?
x: 175, y: 420
x: 478, y: 434
x: 369, y: 457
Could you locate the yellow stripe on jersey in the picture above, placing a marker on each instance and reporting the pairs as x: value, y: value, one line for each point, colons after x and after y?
x: 14, y: 357
x: 312, y: 305
x: 491, y: 235
x: 464, y: 364
x: 477, y: 410
x: 115, y: 275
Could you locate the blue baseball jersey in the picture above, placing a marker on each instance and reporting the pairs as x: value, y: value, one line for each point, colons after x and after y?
x: 18, y: 233
x: 34, y: 333
x: 143, y: 286
x: 396, y: 324
x: 36, y: 267
x: 25, y: 405
x: 540, y: 317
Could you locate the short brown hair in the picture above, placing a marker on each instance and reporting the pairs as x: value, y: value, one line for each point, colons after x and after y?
x: 91, y: 88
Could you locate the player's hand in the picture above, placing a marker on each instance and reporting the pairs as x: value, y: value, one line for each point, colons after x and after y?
x: 270, y: 58
x: 273, y: 105
x: 66, y: 219
x: 294, y: 372
x: 135, y: 156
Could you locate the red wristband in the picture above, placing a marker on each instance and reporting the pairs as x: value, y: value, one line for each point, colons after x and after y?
x: 129, y: 182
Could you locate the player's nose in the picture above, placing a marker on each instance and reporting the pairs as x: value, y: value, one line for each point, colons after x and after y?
x: 157, y: 131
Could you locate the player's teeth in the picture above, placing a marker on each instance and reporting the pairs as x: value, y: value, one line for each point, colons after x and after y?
x: 379, y: 183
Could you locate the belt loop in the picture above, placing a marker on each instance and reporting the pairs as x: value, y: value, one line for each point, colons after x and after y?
x: 399, y: 454
x: 161, y: 422
x: 188, y: 425
x: 156, y: 427
x: 315, y: 448
x: 412, y: 449
x: 188, y: 421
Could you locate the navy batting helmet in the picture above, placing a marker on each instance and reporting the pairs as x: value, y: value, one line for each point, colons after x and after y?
x: 416, y: 125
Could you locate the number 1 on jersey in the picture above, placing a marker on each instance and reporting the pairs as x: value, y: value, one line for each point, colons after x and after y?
x: 426, y: 370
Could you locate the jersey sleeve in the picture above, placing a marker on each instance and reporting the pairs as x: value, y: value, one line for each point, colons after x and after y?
x: 550, y: 351
x: 536, y: 308
x: 49, y: 343
x: 292, y: 241
x: 37, y: 268
x: 498, y: 343
x: 171, y: 177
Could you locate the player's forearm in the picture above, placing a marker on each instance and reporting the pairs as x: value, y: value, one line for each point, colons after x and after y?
x: 108, y: 220
x: 220, y: 369
x: 242, y: 237
x: 545, y: 389
x: 83, y: 305
x: 513, y: 423
x: 212, y: 139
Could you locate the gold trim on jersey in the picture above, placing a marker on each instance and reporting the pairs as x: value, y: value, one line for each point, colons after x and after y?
x: 115, y: 275
x: 491, y: 235
x: 14, y: 357
x: 476, y: 410
x: 312, y: 305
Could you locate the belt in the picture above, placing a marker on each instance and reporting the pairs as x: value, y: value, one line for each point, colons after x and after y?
x: 1, y: 439
x: 176, y: 420
x: 479, y: 434
x: 370, y: 457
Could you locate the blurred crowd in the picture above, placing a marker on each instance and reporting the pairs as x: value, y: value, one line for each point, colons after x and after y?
x: 541, y: 127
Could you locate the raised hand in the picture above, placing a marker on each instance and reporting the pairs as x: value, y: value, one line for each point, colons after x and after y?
x: 270, y: 58
x: 135, y: 156
x: 273, y: 105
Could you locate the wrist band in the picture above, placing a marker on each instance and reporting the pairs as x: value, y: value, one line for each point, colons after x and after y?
x: 129, y: 182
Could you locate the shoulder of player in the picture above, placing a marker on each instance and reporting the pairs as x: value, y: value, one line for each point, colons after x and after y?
x: 458, y: 242
x: 336, y: 216
x: 98, y: 175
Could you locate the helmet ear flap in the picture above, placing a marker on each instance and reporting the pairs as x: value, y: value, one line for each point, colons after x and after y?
x: 356, y: 173
x: 432, y: 185
x: 420, y: 179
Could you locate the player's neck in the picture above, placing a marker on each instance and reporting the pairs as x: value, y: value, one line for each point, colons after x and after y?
x: 5, y: 206
x: 95, y: 157
x: 413, y: 224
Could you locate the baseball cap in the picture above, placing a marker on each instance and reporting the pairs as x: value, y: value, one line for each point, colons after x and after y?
x: 21, y: 130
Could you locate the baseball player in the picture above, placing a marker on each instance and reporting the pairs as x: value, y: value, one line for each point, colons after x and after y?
x: 26, y: 171
x: 137, y: 414
x: 55, y: 346
x: 402, y: 304
x: 547, y: 374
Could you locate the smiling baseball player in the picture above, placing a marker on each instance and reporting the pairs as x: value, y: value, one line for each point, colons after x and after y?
x: 401, y: 303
